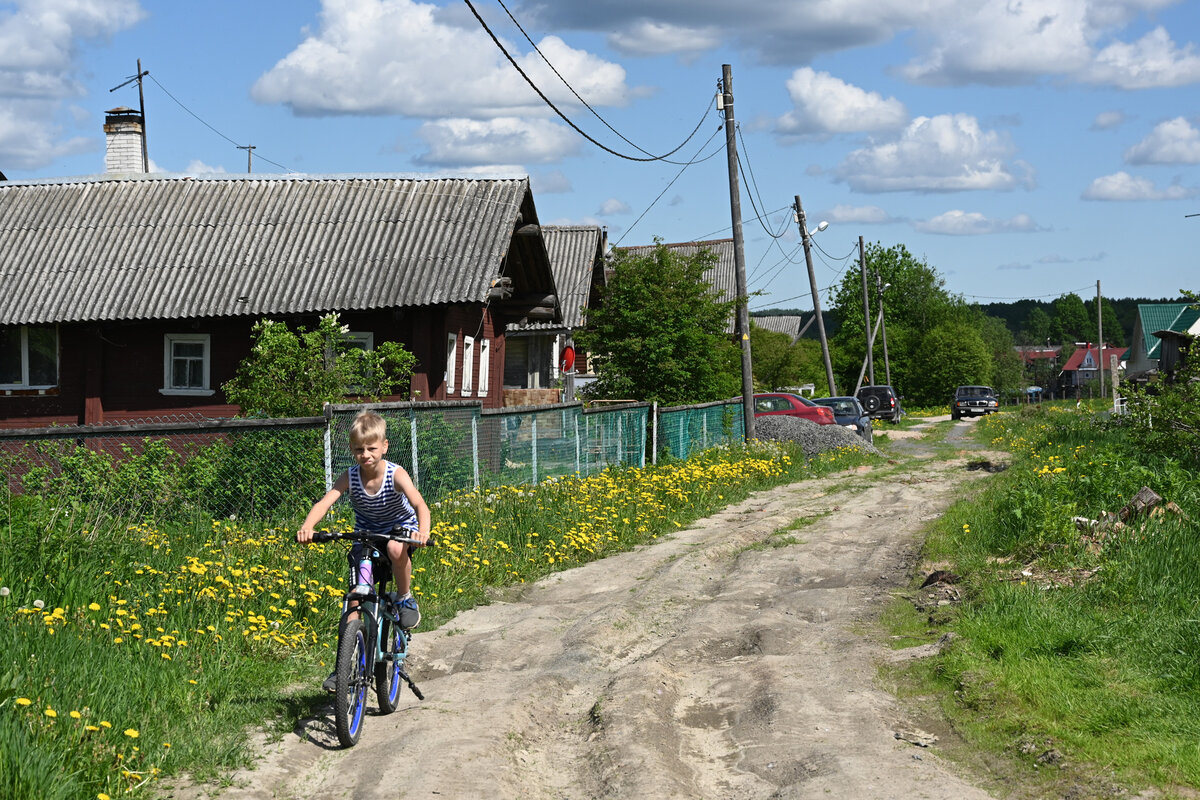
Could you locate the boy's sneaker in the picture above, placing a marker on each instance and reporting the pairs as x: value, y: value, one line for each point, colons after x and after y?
x: 410, y: 615
x: 330, y: 684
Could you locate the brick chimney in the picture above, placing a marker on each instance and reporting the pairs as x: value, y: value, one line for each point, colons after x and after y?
x: 125, y: 137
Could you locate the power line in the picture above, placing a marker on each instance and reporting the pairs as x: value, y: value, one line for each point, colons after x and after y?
x: 210, y: 127
x: 563, y: 116
x: 754, y: 183
x: 1029, y: 296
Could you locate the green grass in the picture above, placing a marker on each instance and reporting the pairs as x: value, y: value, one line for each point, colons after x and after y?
x: 1095, y: 650
x: 138, y: 651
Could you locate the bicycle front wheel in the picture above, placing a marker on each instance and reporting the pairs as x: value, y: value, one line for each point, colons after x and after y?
x: 353, y: 676
x: 387, y: 672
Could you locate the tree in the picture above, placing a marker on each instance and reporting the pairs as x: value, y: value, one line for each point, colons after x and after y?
x: 1007, y: 367
x: 293, y: 374
x: 1113, y: 333
x: 659, y: 334
x: 1071, y: 321
x: 959, y: 356
x: 1036, y: 329
x: 778, y: 362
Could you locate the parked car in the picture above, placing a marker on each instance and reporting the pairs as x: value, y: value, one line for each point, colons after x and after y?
x: 973, y: 401
x: 880, y: 402
x: 771, y: 404
x: 850, y: 414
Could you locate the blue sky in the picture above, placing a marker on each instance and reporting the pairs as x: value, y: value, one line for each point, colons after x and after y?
x: 1024, y: 148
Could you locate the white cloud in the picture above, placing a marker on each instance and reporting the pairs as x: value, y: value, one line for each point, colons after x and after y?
x: 648, y: 37
x: 554, y: 181
x: 612, y: 206
x: 39, y: 66
x: 1123, y: 186
x: 1172, y: 142
x: 397, y: 57
x: 866, y: 215
x: 1152, y: 62
x: 946, y: 153
x: 1106, y: 120
x: 505, y: 140
x: 972, y: 223
x: 197, y: 167
x: 825, y: 104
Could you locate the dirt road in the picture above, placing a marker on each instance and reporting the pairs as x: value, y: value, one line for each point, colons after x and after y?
x: 735, y: 660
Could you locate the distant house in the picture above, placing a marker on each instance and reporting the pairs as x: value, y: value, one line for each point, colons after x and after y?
x: 722, y: 275
x: 535, y: 347
x: 132, y: 296
x: 789, y: 325
x: 1153, y: 318
x: 1084, y: 365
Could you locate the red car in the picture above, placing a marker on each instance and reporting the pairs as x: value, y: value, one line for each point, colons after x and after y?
x: 771, y: 404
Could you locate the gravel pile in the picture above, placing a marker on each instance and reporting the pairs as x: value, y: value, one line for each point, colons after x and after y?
x: 812, y: 438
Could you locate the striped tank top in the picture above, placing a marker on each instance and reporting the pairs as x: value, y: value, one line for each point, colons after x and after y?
x: 384, y: 510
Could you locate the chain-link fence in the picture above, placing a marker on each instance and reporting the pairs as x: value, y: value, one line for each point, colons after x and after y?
x: 271, y: 469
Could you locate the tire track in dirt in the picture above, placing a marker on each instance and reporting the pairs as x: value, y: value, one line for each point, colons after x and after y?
x: 731, y: 660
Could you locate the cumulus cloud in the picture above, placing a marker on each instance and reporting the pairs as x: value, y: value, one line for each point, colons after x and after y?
x: 554, y: 181
x: 825, y: 104
x: 649, y: 37
x: 946, y: 153
x: 469, y: 142
x: 972, y: 223
x: 197, y: 167
x: 1123, y: 186
x: 1106, y: 120
x: 1153, y: 61
x: 1175, y: 141
x: 612, y: 207
x: 398, y: 57
x: 865, y: 215
x: 39, y: 68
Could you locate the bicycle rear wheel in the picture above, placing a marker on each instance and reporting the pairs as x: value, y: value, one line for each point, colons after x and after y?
x: 387, y: 672
x: 350, y: 698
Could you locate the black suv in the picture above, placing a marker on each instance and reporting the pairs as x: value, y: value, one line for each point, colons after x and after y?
x: 973, y: 401
x: 880, y: 402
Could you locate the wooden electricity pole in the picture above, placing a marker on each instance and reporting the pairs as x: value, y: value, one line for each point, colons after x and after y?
x: 816, y: 296
x: 739, y: 255
x: 862, y: 266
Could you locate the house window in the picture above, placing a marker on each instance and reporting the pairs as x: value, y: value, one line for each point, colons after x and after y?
x: 468, y: 364
x: 359, y: 341
x: 186, y: 364
x: 485, y: 366
x: 451, y: 352
x: 28, y: 357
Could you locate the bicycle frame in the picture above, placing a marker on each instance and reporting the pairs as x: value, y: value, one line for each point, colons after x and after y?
x: 370, y: 637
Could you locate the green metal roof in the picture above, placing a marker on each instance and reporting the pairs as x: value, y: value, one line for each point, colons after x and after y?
x: 1163, y: 317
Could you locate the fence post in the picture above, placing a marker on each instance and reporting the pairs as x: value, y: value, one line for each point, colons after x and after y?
x: 533, y: 449
x: 412, y: 426
x: 620, y: 438
x: 576, y: 421
x: 475, y: 446
x: 654, y: 434
x: 642, y: 449
x: 328, y: 411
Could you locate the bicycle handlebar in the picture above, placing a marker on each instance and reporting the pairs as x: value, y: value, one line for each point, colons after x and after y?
x: 369, y: 536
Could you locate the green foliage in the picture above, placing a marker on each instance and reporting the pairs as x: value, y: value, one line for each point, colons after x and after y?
x: 659, y: 335
x: 1071, y: 320
x: 293, y: 374
x: 778, y: 362
x: 958, y: 355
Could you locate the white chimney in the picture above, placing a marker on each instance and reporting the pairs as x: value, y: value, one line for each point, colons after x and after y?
x: 125, y: 139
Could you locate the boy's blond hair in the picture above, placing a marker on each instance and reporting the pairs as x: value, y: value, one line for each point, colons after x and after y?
x: 368, y: 427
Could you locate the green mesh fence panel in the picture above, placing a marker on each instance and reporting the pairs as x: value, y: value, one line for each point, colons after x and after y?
x: 249, y: 469
x: 683, y: 430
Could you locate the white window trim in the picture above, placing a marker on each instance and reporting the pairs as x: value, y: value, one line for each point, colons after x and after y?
x: 24, y: 384
x: 451, y: 359
x: 468, y: 367
x: 170, y: 339
x: 485, y: 365
x: 364, y: 338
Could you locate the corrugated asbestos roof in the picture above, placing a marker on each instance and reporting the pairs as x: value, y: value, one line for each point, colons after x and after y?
x: 574, y: 252
x: 789, y: 325
x: 152, y: 247
x: 722, y: 275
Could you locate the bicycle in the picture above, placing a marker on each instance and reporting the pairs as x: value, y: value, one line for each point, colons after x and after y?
x: 374, y: 641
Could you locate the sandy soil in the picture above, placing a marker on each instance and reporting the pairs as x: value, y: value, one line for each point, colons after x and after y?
x: 735, y: 660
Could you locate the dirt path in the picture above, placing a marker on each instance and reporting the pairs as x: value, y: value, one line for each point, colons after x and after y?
x: 735, y: 660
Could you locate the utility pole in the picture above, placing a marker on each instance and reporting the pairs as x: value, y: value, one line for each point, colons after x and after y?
x: 1100, y: 332
x: 739, y: 254
x: 812, y: 282
x: 249, y: 148
x: 862, y: 266
x: 887, y: 365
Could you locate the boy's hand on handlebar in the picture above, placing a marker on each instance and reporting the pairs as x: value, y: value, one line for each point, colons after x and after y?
x: 305, y: 534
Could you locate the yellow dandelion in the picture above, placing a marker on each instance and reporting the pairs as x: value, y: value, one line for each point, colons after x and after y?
x: 93, y: 606
x: 132, y: 733
x: 75, y: 715
x: 50, y: 712
x: 24, y: 701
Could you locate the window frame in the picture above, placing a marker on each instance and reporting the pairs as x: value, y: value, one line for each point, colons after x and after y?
x: 485, y: 366
x: 169, y: 340
x: 24, y: 384
x: 451, y: 362
x: 468, y: 366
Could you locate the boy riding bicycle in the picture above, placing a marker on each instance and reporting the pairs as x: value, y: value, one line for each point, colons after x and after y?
x: 383, y: 496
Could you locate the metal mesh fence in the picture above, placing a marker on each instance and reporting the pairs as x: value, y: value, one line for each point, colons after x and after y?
x: 683, y: 430
x: 275, y: 469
